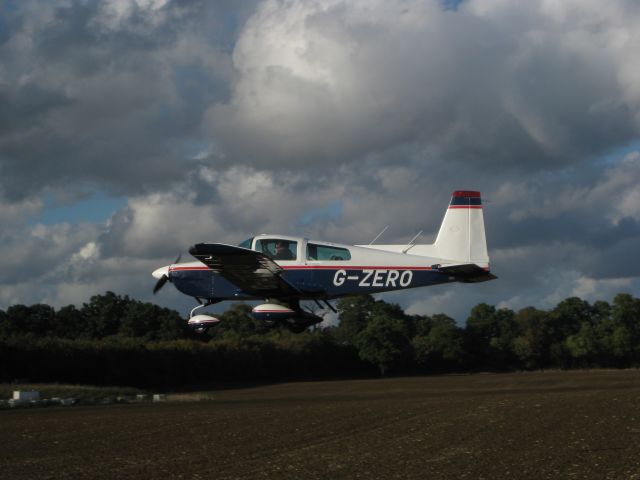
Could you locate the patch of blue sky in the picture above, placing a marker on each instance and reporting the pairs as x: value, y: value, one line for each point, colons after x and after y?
x: 9, y: 6
x: 95, y: 208
x: 4, y: 31
x: 197, y: 149
x: 451, y: 4
x: 327, y: 212
x: 619, y: 153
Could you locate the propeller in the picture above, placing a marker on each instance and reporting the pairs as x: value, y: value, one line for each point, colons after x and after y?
x: 160, y: 283
x: 162, y: 274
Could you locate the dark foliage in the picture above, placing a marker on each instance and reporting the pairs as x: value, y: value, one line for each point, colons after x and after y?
x: 118, y: 340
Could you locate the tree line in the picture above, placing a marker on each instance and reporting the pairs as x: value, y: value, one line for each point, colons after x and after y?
x: 114, y: 339
x: 574, y: 334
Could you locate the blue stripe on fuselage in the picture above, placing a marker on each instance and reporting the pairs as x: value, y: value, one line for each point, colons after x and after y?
x: 337, y: 282
x: 325, y: 282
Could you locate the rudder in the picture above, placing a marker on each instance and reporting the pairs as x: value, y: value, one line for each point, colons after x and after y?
x: 461, y: 237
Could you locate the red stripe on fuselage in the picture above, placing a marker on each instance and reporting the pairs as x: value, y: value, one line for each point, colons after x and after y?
x: 349, y: 267
x: 176, y: 269
x: 318, y: 267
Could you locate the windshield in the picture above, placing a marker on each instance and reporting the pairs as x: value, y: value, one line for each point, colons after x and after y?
x: 278, y: 249
x: 246, y: 244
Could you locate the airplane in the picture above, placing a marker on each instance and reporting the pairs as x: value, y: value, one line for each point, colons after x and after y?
x: 284, y: 270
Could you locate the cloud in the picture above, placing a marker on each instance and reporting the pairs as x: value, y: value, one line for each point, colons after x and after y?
x: 14, y: 214
x: 214, y: 121
x: 592, y: 221
x: 107, y: 93
x: 551, y: 291
x: 505, y: 85
x: 35, y: 251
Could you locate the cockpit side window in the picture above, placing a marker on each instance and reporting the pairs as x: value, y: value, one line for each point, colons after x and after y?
x: 246, y: 244
x: 278, y: 249
x: 326, y: 252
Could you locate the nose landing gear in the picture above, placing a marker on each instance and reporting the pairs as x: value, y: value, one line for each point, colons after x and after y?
x: 202, y: 323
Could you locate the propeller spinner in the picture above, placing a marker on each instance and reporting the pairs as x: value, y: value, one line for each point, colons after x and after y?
x: 162, y: 274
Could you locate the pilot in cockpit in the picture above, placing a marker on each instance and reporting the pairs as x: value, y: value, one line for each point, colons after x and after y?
x: 283, y: 252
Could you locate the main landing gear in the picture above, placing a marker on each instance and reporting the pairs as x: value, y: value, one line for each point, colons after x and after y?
x: 293, y: 317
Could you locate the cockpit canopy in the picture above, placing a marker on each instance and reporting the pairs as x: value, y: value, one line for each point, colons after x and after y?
x: 278, y: 248
x: 316, y: 251
x: 286, y: 248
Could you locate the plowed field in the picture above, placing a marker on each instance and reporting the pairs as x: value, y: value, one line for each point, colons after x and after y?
x: 583, y: 425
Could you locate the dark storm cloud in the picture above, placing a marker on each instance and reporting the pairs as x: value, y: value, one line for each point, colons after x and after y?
x: 326, y: 118
x: 22, y: 107
x: 116, y: 92
x: 92, y: 94
x: 594, y: 232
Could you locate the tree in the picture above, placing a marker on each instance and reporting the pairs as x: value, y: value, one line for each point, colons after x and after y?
x: 626, y: 311
x: 440, y: 348
x: 17, y: 319
x: 584, y: 345
x: 383, y: 342
x: 567, y: 317
x: 354, y: 313
x: 104, y: 314
x: 37, y: 319
x: 71, y: 323
x: 619, y: 332
x: 530, y: 345
x: 238, y: 322
x: 563, y: 321
x: 5, y: 325
x: 490, y: 334
x: 151, y: 322
x: 420, y: 325
x: 170, y: 324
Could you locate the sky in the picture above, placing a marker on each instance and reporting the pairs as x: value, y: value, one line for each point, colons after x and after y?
x: 132, y: 129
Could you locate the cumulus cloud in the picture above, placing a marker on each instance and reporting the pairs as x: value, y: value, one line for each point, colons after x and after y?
x: 593, y: 221
x: 326, y: 118
x: 523, y: 86
x: 35, y: 259
x: 13, y: 214
x: 111, y: 93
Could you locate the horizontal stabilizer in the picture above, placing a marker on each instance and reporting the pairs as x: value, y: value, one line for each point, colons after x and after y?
x: 468, y: 273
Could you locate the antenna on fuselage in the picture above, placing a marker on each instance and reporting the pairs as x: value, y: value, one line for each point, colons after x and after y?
x: 412, y: 242
x: 378, y: 236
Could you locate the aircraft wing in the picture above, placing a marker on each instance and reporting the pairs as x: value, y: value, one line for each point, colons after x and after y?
x: 252, y: 272
x: 468, y: 273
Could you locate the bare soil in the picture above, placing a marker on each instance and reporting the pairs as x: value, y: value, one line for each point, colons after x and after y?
x: 541, y: 425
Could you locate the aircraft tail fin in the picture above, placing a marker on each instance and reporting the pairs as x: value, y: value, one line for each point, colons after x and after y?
x: 461, y: 236
x: 461, y: 239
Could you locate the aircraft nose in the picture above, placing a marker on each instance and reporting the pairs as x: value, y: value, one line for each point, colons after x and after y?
x: 160, y: 272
